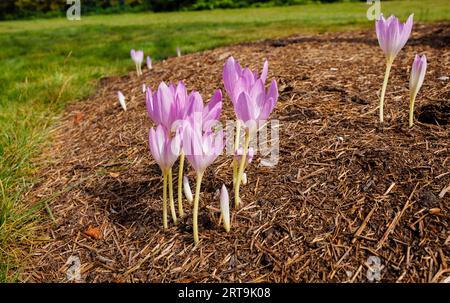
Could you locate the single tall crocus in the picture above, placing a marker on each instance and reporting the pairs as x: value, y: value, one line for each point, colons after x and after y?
x: 138, y: 58
x: 418, y: 71
x: 165, y: 149
x: 392, y: 36
x: 201, y: 149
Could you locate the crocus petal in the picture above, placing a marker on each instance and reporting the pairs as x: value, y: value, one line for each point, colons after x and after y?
x: 212, y: 111
x: 244, y: 179
x: 154, y: 146
x: 229, y: 75
x: 271, y: 101
x: 149, y: 62
x: 406, y: 30
x: 165, y: 100
x: 242, y: 109
x: 187, y: 189
x: 265, y: 71
x: 122, y: 100
x: 257, y: 99
x: 173, y: 149
x: 225, y: 207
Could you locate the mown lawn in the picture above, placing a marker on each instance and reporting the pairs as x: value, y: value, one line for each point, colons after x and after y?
x: 44, y: 64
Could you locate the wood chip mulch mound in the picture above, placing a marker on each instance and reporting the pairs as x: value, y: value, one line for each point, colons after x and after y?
x: 347, y: 192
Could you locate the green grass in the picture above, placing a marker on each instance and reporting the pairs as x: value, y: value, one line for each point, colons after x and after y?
x: 44, y: 64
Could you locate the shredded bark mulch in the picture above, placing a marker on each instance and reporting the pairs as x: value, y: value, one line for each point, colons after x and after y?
x: 345, y: 190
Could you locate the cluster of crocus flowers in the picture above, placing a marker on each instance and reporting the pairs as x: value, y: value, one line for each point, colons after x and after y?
x: 185, y: 129
x: 392, y: 36
x: 252, y: 106
x: 188, y: 128
x: 165, y: 107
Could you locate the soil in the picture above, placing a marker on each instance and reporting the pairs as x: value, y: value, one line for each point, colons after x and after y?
x: 345, y: 188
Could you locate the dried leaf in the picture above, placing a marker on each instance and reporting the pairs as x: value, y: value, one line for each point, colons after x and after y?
x: 93, y: 232
x: 78, y: 117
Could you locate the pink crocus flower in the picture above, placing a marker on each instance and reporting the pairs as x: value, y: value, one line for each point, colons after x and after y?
x: 256, y: 105
x: 165, y: 149
x: 252, y: 105
x: 247, y: 92
x: 418, y: 71
x: 201, y: 149
x: 392, y: 36
x: 138, y: 58
x: 168, y: 104
x: 202, y: 116
x: 237, y: 79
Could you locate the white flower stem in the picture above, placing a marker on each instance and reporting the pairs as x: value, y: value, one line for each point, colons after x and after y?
x: 165, y: 225
x: 411, y: 109
x: 196, y: 201
x: 235, y: 170
x: 236, y: 147
x: 383, y: 89
x: 241, y: 170
x: 172, y: 204
x: 180, y: 185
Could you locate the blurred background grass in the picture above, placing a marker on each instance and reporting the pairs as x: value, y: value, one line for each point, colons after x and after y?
x: 45, y: 64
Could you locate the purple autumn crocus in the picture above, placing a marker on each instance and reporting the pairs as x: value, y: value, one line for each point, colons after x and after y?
x: 165, y: 149
x: 252, y: 105
x: 202, y: 116
x: 168, y: 107
x: 138, y: 58
x: 201, y: 150
x: 256, y: 105
x: 237, y: 79
x: 418, y: 70
x: 392, y: 36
